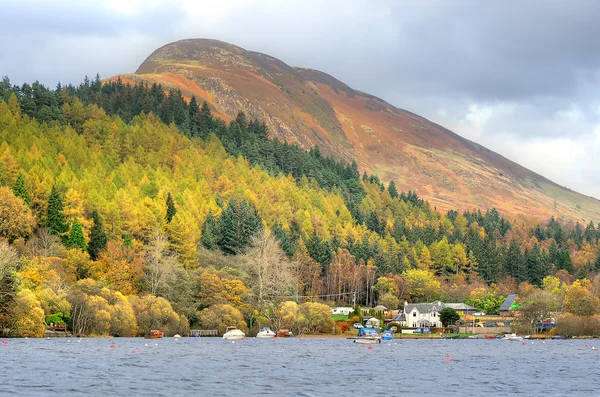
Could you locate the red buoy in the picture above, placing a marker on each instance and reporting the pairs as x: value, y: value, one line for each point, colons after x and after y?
x: 370, y: 348
x: 137, y: 350
x: 4, y: 342
x: 448, y: 358
x: 524, y: 342
x: 112, y: 346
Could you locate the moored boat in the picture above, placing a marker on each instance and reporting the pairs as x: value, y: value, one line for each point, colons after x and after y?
x: 387, y: 335
x: 154, y: 334
x: 232, y: 333
x: 491, y: 337
x: 284, y: 333
x: 266, y: 332
x: 367, y: 336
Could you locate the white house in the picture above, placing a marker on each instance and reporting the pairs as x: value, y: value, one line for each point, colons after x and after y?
x: 416, y: 315
x: 423, y: 314
x: 344, y: 311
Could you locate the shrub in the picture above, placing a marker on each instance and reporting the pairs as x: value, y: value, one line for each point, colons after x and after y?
x: 343, y: 326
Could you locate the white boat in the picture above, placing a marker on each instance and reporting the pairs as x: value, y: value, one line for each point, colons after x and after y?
x: 516, y: 338
x: 176, y: 336
x: 266, y: 332
x: 367, y: 336
x: 232, y: 333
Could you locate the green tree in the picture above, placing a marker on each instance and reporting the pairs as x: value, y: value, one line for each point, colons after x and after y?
x: 171, y: 210
x: 393, y: 190
x: 210, y: 233
x: 55, y: 220
x: 448, y: 316
x: 20, y: 190
x: 238, y: 223
x: 98, y: 237
x: 76, y: 238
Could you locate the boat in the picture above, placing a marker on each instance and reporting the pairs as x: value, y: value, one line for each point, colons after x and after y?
x: 491, y: 337
x: 559, y: 337
x: 473, y: 337
x: 387, y: 335
x: 368, y: 336
x: 233, y: 333
x: 451, y: 336
x: 265, y: 332
x: 176, y: 336
x: 154, y: 334
x: 284, y: 333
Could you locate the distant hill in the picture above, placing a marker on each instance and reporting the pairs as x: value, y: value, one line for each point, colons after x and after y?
x: 313, y: 108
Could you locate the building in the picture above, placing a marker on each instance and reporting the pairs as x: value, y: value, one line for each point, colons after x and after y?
x: 416, y: 315
x: 372, y: 322
x: 510, y: 303
x: 344, y: 311
x: 461, y: 308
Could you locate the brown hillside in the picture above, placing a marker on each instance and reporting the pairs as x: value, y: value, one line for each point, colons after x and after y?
x: 312, y: 108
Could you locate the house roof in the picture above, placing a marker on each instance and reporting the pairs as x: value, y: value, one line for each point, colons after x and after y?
x: 510, y: 299
x: 423, y: 307
x: 460, y: 306
x: 380, y: 308
x: 399, y: 317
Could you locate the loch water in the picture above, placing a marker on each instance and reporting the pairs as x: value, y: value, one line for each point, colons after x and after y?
x: 297, y: 367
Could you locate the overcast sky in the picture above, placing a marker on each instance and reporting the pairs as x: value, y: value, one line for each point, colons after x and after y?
x: 522, y: 78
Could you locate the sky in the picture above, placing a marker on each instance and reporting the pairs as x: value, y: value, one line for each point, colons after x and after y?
x: 521, y: 78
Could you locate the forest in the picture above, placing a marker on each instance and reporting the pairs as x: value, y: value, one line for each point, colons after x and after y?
x: 125, y: 208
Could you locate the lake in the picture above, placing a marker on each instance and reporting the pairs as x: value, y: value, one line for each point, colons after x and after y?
x: 297, y: 367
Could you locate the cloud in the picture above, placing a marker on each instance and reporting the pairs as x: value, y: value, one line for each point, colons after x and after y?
x: 522, y: 78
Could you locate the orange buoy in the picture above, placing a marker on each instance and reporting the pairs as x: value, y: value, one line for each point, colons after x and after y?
x: 524, y: 342
x: 448, y: 358
x: 586, y: 345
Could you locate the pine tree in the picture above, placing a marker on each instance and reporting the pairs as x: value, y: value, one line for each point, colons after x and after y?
x: 171, y: 210
x: 98, y: 237
x: 76, y: 238
x: 238, y: 223
x: 210, y: 233
x: 20, y: 190
x: 393, y: 190
x: 55, y: 220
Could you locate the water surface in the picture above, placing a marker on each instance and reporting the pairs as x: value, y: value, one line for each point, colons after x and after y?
x: 297, y: 367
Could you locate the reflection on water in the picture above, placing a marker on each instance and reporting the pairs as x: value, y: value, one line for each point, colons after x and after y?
x: 307, y: 367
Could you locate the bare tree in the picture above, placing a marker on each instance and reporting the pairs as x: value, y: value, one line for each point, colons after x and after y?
x: 45, y: 244
x: 161, y: 265
x: 273, y: 276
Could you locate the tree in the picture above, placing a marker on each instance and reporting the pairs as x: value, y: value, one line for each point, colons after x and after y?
x: 535, y: 308
x: 98, y: 237
x: 393, y: 190
x: 220, y: 317
x: 579, y: 299
x: 421, y: 284
x: 238, y: 223
x: 171, y: 210
x: 272, y: 276
x: 76, y: 238
x: 55, y: 220
x: 448, y: 316
x: 16, y: 219
x: 210, y: 233
x: 161, y: 266
x: 20, y: 190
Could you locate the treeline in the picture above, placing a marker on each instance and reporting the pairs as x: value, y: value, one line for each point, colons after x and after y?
x: 212, y: 188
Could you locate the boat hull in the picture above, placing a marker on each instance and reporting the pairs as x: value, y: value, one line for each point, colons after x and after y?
x: 516, y: 338
x: 266, y: 335
x: 367, y: 341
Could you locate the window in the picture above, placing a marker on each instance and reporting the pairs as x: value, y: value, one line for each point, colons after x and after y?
x: 433, y: 314
x: 414, y: 314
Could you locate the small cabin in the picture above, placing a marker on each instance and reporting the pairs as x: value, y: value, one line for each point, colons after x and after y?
x: 342, y: 311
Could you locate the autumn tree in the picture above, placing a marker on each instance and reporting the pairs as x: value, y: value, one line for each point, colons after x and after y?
x: 161, y: 266
x: 579, y: 299
x: 422, y: 285
x: 16, y: 219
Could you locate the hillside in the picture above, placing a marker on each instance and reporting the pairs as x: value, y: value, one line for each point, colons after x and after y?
x: 311, y: 108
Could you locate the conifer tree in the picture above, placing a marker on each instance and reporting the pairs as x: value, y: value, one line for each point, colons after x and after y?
x: 98, y: 237
x: 20, y: 190
x: 171, y: 210
x: 55, y: 220
x: 210, y: 233
x: 393, y: 190
x: 76, y: 238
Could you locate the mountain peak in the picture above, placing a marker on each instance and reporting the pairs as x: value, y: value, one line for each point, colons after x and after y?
x: 313, y: 108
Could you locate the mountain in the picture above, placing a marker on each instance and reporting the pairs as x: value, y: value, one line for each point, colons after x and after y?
x: 312, y: 108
